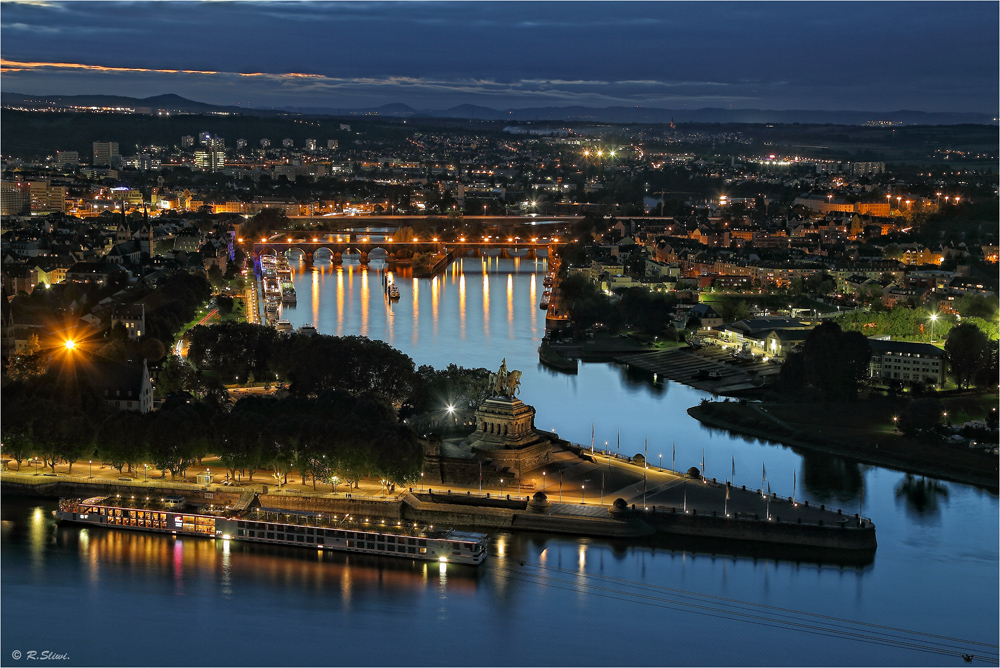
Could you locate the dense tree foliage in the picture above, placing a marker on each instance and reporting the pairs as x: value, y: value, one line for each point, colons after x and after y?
x: 455, y: 386
x: 966, y: 348
x: 832, y: 361
x: 898, y: 323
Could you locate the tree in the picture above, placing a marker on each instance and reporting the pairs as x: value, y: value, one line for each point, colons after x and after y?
x: 966, y: 349
x: 921, y: 414
x: 733, y: 310
x: 833, y: 361
x: 176, y: 376
x: 121, y: 439
x: 216, y: 278
x: 28, y: 364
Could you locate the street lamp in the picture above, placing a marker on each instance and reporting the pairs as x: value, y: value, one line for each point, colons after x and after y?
x: 335, y: 480
x: 933, y: 320
x: 145, y: 471
x: 91, y: 462
x: 501, y: 486
x: 543, y: 481
x: 421, y: 482
x: 583, y: 494
x: 36, y: 465
x: 661, y: 462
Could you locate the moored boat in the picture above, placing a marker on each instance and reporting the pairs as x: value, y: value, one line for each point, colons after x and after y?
x: 346, y: 533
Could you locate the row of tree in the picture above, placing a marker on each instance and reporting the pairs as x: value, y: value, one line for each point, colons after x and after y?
x: 333, y: 433
x: 245, y: 352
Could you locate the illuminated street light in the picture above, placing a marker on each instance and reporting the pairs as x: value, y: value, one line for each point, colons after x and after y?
x: 70, y: 344
x: 933, y: 320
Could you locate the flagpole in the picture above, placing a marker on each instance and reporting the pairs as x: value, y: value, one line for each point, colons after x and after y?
x: 591, y: 439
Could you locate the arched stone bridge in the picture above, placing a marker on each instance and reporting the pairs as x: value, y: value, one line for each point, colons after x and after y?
x: 357, y: 244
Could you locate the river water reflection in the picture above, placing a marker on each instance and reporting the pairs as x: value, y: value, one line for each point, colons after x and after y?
x: 131, y: 599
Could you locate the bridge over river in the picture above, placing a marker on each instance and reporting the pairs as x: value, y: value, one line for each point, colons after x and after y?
x: 363, y: 244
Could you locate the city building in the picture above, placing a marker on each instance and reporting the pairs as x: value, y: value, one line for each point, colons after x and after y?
x: 66, y: 159
x: 46, y: 198
x: 103, y: 152
x: 15, y: 198
x: 903, y: 361
x: 123, y: 386
x: 132, y: 317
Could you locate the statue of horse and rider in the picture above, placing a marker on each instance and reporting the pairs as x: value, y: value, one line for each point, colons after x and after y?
x: 504, y: 383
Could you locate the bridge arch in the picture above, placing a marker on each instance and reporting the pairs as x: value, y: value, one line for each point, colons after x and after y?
x: 324, y: 253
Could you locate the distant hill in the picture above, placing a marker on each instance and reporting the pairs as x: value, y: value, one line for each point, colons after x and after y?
x: 574, y: 114
x: 174, y: 104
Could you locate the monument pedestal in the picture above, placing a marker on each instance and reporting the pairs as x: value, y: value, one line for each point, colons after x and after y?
x: 505, y: 433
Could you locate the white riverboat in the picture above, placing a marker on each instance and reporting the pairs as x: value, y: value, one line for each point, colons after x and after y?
x: 345, y: 533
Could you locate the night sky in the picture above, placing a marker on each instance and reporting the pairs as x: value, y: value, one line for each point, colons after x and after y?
x: 791, y: 55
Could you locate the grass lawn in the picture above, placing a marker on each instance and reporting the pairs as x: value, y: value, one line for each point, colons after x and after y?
x: 965, y: 407
x: 239, y: 312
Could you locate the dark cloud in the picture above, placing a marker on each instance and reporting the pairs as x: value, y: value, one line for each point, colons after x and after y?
x: 876, y: 56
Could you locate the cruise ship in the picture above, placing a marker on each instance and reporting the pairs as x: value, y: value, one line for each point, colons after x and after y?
x: 247, y: 521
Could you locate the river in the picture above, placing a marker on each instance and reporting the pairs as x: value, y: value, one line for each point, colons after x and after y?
x: 109, y: 598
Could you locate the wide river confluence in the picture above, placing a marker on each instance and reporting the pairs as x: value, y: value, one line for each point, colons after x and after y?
x: 118, y: 598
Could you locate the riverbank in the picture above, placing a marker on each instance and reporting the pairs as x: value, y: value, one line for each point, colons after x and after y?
x: 890, y: 450
x: 678, y: 506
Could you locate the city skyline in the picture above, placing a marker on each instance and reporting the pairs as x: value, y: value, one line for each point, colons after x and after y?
x: 869, y: 56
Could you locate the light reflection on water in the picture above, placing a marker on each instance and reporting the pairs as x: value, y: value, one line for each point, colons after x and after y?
x: 528, y: 580
x: 54, y: 576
